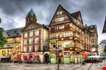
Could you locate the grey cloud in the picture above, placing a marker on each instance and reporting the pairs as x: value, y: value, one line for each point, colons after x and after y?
x: 93, y: 11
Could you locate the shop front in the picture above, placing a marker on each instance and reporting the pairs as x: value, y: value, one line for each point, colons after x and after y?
x: 30, y: 57
x: 66, y: 57
x: 53, y: 59
x: 76, y: 58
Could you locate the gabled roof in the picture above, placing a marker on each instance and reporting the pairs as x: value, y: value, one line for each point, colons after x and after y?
x: 14, y: 32
x: 66, y: 12
x: 31, y: 13
x: 77, y: 15
x: 92, y: 27
x: 71, y: 17
x: 104, y: 27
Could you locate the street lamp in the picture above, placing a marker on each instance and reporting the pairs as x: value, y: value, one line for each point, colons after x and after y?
x: 57, y: 49
x: 57, y: 54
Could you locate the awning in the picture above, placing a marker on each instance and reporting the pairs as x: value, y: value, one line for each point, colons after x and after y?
x: 85, y: 54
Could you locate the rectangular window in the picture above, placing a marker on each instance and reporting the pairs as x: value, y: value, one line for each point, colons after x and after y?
x: 37, y: 33
x: 30, y: 48
x: 25, y: 49
x: 59, y: 12
x: 36, y: 47
x: 25, y: 41
x: 37, y: 40
x: 66, y: 34
x: 61, y: 27
x: 30, y: 41
x: 31, y: 33
x: 25, y: 34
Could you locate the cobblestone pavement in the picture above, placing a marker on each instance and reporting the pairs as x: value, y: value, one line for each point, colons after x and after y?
x: 16, y: 66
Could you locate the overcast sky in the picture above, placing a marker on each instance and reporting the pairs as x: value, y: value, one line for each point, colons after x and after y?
x: 13, y: 12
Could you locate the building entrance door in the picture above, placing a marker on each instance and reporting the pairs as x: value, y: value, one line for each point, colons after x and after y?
x: 46, y: 58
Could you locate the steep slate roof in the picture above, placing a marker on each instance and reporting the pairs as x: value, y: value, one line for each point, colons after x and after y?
x: 31, y: 13
x: 13, y: 32
x: 66, y: 12
x: 76, y: 15
x: 33, y: 22
x: 104, y: 27
x: 91, y: 27
x: 71, y: 16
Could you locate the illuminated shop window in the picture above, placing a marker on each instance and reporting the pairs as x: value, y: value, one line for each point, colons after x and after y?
x: 67, y: 44
x: 31, y: 33
x: 30, y: 40
x: 37, y: 33
x: 37, y: 40
x: 3, y: 53
x: 25, y: 34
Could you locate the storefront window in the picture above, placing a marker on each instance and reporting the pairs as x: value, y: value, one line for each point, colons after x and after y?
x: 53, y: 59
x: 3, y: 53
x: 66, y: 46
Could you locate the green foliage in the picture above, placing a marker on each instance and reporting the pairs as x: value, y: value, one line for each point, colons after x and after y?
x: 105, y: 49
x: 2, y: 39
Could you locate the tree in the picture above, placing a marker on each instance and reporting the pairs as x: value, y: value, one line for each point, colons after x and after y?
x: 104, y: 50
x: 2, y: 39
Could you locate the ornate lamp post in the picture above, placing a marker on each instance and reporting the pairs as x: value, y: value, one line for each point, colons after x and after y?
x: 58, y: 50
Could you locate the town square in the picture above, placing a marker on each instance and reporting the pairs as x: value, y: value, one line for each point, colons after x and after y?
x: 52, y: 35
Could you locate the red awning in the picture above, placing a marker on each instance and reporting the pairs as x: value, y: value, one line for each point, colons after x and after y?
x: 85, y: 54
x: 18, y: 57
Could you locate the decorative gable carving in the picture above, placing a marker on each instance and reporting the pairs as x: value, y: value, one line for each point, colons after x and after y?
x: 60, y: 16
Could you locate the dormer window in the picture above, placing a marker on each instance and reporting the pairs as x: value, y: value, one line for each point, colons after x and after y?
x: 59, y: 19
x: 59, y: 12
